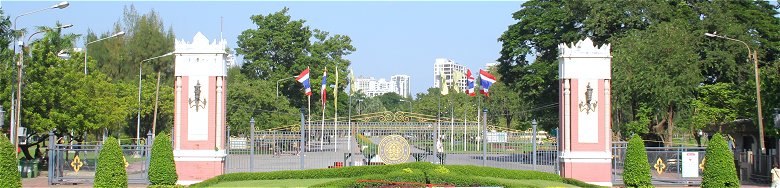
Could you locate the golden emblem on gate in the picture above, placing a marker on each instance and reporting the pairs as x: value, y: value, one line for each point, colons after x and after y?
x: 76, y: 164
x: 394, y: 149
x: 659, y: 166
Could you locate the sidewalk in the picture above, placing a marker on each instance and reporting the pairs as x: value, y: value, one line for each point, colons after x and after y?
x: 43, y: 181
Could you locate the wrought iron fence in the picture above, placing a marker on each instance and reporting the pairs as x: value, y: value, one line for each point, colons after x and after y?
x: 326, y: 146
x: 76, y: 163
x: 666, y: 164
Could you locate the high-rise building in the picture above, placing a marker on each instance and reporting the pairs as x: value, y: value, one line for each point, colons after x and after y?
x: 373, y: 87
x: 447, y: 67
x: 401, y: 84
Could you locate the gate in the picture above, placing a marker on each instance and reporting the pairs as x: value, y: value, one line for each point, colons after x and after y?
x: 76, y: 163
x: 666, y: 164
x: 331, y: 145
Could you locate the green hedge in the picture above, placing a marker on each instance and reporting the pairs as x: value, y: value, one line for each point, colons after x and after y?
x: 637, y: 168
x: 9, y: 169
x: 423, y: 172
x: 162, y: 168
x: 110, y: 170
x: 719, y: 170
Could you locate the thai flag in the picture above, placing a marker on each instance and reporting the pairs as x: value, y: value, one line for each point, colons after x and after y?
x: 324, y: 86
x: 304, y: 79
x: 470, y: 84
x: 486, y: 79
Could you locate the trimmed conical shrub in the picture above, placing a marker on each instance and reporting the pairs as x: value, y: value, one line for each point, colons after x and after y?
x: 110, y: 170
x: 9, y: 169
x: 719, y: 170
x: 637, y: 169
x: 162, y: 169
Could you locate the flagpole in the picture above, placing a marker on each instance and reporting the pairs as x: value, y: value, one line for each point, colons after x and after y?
x: 479, y: 106
x: 464, y: 127
x: 336, y: 112
x: 452, y: 125
x: 309, y: 137
x: 436, y: 129
x: 323, y: 97
x: 349, y: 121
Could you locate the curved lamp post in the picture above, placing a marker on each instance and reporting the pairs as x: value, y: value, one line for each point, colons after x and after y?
x: 120, y: 33
x: 15, y: 115
x: 19, y: 81
x: 752, y: 54
x: 138, y: 117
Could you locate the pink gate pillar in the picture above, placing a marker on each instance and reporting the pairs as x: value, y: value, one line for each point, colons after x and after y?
x: 585, y: 139
x: 199, y: 109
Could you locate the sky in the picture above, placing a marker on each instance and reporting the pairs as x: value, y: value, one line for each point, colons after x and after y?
x: 390, y: 37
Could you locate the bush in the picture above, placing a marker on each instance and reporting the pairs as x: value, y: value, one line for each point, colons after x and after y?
x: 162, y: 168
x: 719, y: 170
x: 637, y: 168
x: 9, y: 166
x: 110, y: 170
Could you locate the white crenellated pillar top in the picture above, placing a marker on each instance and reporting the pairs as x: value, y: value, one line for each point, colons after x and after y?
x: 584, y: 60
x: 201, y: 58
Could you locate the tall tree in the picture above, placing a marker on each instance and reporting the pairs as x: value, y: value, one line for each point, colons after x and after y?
x: 281, y: 48
x: 653, y: 69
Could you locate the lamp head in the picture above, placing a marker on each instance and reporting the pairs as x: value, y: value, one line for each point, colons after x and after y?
x: 66, y: 26
x: 710, y: 35
x: 61, y: 5
x: 118, y: 34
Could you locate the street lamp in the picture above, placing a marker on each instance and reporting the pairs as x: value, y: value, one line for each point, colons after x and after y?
x: 410, y: 104
x: 120, y: 33
x: 19, y: 76
x: 277, y: 84
x: 754, y: 55
x: 138, y: 117
x: 15, y: 110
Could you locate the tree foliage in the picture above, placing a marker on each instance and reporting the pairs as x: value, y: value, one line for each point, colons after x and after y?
x: 249, y: 98
x: 120, y: 59
x: 637, y: 168
x: 660, y: 55
x: 110, y: 170
x: 280, y: 48
x: 719, y: 170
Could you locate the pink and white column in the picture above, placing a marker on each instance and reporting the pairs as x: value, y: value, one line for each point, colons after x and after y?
x: 199, y: 109
x: 585, y: 129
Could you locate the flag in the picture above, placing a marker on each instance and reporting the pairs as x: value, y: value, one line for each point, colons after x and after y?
x: 470, y: 84
x: 443, y: 86
x: 485, y: 80
x: 304, y: 79
x: 456, y: 77
x: 352, y: 86
x: 324, y: 86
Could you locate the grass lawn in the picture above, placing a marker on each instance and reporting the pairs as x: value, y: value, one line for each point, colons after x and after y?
x: 530, y: 183
x: 276, y: 183
x: 310, y: 182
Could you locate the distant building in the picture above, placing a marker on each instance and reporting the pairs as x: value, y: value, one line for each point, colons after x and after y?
x: 447, y: 67
x: 490, y: 65
x: 402, y: 85
x: 373, y: 87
